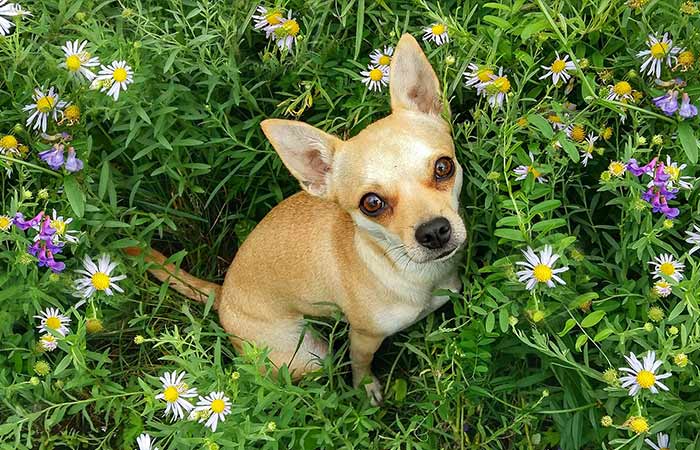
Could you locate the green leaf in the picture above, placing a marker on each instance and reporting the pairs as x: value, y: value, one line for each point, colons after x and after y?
x: 542, y: 125
x: 75, y: 197
x: 546, y: 225
x: 592, y: 319
x: 507, y: 233
x: 603, y: 334
x: 545, y: 206
x: 490, y: 322
x: 688, y: 141
x: 570, y: 149
x: 569, y: 325
x: 400, y: 389
x: 497, y: 21
x: 580, y: 341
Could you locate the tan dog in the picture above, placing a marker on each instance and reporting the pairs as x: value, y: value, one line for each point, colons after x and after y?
x: 374, y: 232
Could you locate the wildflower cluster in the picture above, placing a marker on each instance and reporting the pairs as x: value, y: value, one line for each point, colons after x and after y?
x: 665, y: 183
x: 283, y: 30
x: 668, y: 102
x: 489, y: 83
x: 50, y: 238
x: 376, y: 76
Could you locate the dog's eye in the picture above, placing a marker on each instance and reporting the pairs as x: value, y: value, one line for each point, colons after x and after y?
x: 371, y: 204
x: 444, y: 168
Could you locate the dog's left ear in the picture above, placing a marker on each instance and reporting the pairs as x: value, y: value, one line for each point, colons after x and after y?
x: 413, y: 84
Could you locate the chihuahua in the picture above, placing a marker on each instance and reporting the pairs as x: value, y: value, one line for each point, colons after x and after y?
x: 374, y: 232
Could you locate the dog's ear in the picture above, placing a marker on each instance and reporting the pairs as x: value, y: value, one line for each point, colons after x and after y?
x: 413, y: 84
x: 306, y: 151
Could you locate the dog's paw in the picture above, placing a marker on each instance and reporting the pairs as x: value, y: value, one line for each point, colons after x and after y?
x: 374, y: 392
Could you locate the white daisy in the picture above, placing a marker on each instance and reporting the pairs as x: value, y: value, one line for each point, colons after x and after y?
x: 375, y: 77
x: 643, y: 374
x: 9, y: 145
x: 144, y: 442
x: 267, y: 19
x: 215, y: 407
x: 44, y: 104
x: 539, y: 269
x: 286, y: 33
x: 174, y: 394
x: 53, y: 320
x: 666, y: 266
x: 672, y: 169
x: 97, y: 277
x: 48, y: 342
x: 115, y: 78
x: 9, y: 10
x: 437, y: 33
x: 496, y: 90
x: 559, y: 69
x: 382, y: 58
x: 556, y: 122
x: 662, y: 288
x: 523, y: 170
x: 479, y: 77
x: 620, y: 91
x: 659, y: 50
x: 662, y: 442
x: 693, y: 239
x: 78, y: 61
x: 587, y: 151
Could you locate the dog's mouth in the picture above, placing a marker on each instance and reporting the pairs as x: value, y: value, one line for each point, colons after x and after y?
x: 446, y: 254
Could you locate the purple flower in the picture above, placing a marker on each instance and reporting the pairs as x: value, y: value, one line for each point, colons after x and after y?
x: 26, y: 224
x: 34, y: 248
x: 660, y: 176
x: 688, y: 110
x: 53, y: 156
x: 73, y: 164
x: 46, y: 232
x: 668, y: 102
x: 637, y: 171
x: 46, y: 260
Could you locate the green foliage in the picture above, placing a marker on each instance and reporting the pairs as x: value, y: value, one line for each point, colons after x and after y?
x: 179, y: 161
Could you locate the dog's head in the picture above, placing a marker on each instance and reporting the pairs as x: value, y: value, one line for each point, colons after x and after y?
x: 398, y: 178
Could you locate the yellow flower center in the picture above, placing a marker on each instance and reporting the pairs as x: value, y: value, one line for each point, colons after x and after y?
x: 535, y: 173
x: 48, y: 339
x: 73, y: 63
x: 170, y: 394
x: 542, y: 273
x: 384, y: 60
x: 616, y: 168
x: 8, y: 142
x: 274, y: 17
x: 218, y: 406
x: 578, y: 133
x: 72, y: 113
x: 554, y: 118
x: 673, y: 171
x: 639, y: 425
x: 502, y: 84
x: 291, y: 27
x: 4, y: 222
x: 607, y: 133
x: 376, y: 74
x: 622, y: 88
x: 438, y: 29
x: 558, y: 66
x: 53, y: 322
x: 100, y: 281
x: 484, y: 75
x: 45, y: 104
x: 119, y: 75
x: 59, y: 226
x: 667, y: 269
x: 659, y: 50
x: 645, y: 379
x: 686, y: 58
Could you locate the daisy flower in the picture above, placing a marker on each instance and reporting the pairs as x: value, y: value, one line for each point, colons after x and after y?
x: 175, y: 393
x: 53, y: 320
x: 267, y: 19
x: 587, y: 151
x: 9, y: 10
x: 662, y: 288
x: 437, y: 33
x: 523, y: 170
x: 643, y: 374
x: 576, y: 133
x: 617, y: 168
x: 78, y: 61
x: 686, y: 59
x: 144, y: 442
x: 659, y: 50
x: 215, y: 407
x: 44, y: 104
x: 666, y: 266
x: 559, y: 69
x: 9, y: 145
x: 382, y: 58
x: 693, y: 239
x: 539, y: 269
x: 48, y: 342
x: 496, y: 90
x: 671, y: 168
x: 620, y: 91
x: 97, y: 277
x: 115, y: 78
x: 375, y: 77
x: 556, y: 122
x: 662, y: 442
x: 5, y: 222
x: 286, y: 33
x: 479, y: 77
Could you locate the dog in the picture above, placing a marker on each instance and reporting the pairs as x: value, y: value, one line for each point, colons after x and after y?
x: 374, y: 232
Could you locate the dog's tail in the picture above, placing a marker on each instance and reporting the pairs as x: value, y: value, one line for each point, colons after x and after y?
x: 184, y: 283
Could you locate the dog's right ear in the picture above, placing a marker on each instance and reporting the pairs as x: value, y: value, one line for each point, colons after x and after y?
x: 305, y: 150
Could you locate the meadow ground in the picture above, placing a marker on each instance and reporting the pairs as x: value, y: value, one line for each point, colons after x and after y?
x: 576, y: 124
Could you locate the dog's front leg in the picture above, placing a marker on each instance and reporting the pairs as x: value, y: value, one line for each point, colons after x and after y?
x: 363, y: 345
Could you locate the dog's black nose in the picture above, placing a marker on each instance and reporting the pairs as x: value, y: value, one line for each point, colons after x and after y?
x: 434, y: 234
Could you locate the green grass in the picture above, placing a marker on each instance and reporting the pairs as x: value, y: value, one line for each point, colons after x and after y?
x: 179, y: 162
